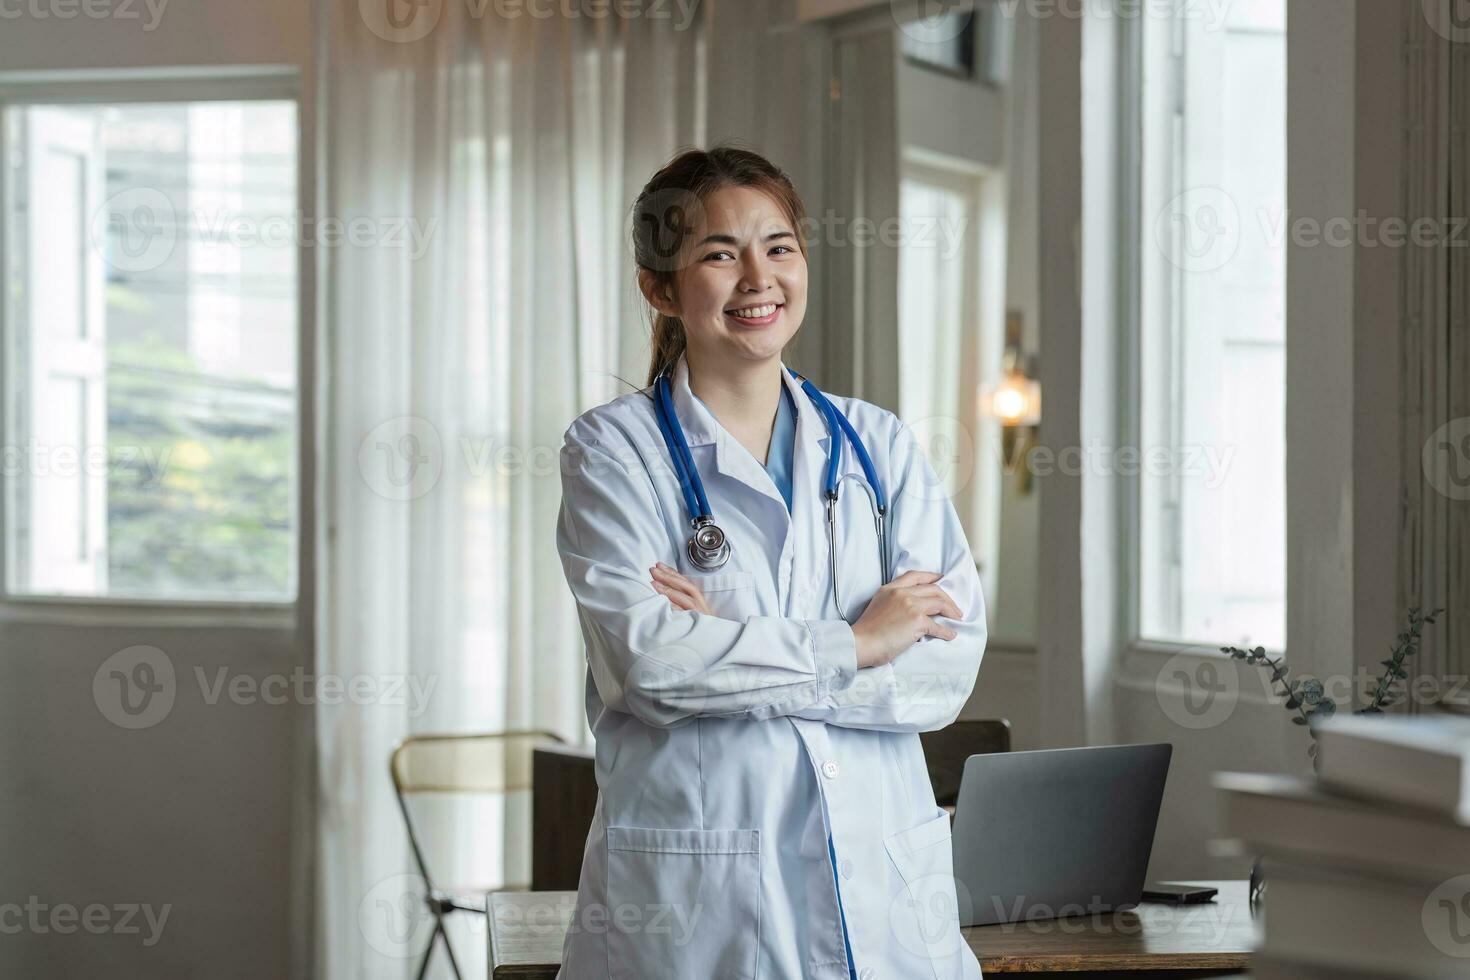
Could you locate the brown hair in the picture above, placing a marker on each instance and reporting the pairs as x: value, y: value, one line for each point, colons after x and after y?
x: 666, y: 211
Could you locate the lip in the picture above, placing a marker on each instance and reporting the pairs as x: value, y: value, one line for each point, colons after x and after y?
x: 764, y: 321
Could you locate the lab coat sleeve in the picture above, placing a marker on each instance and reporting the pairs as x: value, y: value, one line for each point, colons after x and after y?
x: 648, y: 658
x: 925, y: 687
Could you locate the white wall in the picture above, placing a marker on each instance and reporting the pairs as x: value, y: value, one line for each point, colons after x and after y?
x: 196, y: 813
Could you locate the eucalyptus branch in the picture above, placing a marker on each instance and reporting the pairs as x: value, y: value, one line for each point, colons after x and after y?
x: 1307, y: 699
x: 1393, y: 668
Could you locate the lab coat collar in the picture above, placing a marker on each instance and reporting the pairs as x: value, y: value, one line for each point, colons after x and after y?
x: 701, y: 428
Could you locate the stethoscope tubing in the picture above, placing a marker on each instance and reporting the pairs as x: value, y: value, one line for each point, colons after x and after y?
x: 689, y: 482
x: 839, y: 430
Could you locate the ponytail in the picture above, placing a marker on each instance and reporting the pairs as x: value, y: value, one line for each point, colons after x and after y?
x: 668, y: 344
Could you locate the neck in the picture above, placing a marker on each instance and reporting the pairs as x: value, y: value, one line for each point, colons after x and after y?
x: 743, y: 397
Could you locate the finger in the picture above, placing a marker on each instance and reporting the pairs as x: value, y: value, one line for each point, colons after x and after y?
x: 940, y: 631
x: 666, y: 574
x: 947, y: 606
x: 936, y: 600
x: 688, y: 590
x: 916, y: 577
x: 685, y: 602
x: 677, y: 598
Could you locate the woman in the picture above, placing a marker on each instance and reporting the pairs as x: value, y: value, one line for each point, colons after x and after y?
x: 765, y: 810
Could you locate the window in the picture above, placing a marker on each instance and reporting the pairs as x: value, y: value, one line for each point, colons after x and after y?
x: 1211, y: 312
x: 936, y: 297
x: 964, y: 43
x: 150, y: 327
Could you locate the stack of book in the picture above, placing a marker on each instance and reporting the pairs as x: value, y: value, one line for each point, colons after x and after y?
x: 1367, y: 866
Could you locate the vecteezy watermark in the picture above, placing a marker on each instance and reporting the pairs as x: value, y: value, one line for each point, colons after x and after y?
x: 395, y: 919
x: 673, y: 922
x: 1210, y: 921
x: 1205, y: 462
x: 405, y: 458
x: 931, y: 21
x: 924, y: 916
x: 137, y: 229
x: 1361, y: 229
x: 1197, y: 689
x: 394, y: 916
x: 1201, y: 229
x: 64, y: 919
x: 301, y: 687
x: 1446, y: 917
x: 1211, y: 13
x: 675, y: 681
x: 949, y: 447
x: 402, y: 458
x: 943, y: 234
x: 137, y: 687
x: 148, y: 12
x: 67, y: 461
x: 668, y: 220
x: 1450, y: 19
x: 405, y: 21
x: 1446, y: 459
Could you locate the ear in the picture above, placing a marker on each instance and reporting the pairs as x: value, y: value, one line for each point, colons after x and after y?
x: 659, y: 297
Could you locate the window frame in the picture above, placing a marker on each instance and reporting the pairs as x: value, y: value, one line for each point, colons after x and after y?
x: 183, y: 84
x: 1129, y: 151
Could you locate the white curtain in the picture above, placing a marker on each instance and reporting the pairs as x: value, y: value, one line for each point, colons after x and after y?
x: 482, y: 295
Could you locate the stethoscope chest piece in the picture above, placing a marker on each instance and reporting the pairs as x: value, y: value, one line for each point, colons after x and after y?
x: 708, y: 548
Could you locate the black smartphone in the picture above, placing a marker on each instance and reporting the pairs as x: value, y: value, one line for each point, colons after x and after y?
x: 1163, y: 891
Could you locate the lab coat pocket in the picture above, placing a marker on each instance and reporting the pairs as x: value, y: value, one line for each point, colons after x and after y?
x: 682, y: 903
x: 924, y: 916
x: 730, y: 594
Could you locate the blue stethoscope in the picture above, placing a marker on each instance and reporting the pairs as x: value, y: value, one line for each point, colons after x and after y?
x: 708, y: 547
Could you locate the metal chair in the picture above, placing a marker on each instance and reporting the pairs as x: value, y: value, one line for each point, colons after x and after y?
x: 946, y: 750
x: 491, y: 763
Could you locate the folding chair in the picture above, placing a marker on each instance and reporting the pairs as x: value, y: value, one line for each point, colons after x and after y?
x: 492, y: 763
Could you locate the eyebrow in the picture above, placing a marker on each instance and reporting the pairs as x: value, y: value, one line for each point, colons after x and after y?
x: 730, y: 239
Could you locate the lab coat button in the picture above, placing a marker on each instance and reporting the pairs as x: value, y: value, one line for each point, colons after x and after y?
x: 845, y: 866
x: 866, y: 973
x: 829, y: 769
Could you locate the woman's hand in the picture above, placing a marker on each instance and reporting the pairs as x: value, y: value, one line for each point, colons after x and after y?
x: 900, y: 613
x: 682, y: 592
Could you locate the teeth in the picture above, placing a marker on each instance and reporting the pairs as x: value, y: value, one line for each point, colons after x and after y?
x: 755, y: 312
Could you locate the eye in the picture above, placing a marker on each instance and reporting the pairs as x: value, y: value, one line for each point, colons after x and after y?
x: 782, y: 249
x: 715, y: 254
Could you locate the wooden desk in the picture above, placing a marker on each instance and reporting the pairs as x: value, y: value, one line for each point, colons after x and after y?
x: 1153, y: 940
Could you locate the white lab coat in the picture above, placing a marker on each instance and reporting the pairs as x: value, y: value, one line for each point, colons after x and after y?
x: 729, y: 746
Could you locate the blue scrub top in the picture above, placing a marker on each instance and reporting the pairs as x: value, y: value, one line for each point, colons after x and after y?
x: 783, y: 446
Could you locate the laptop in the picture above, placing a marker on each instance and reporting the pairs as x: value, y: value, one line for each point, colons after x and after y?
x: 1056, y: 832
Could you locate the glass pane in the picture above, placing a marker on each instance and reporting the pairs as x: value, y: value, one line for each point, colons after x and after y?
x: 152, y: 311
x: 933, y: 271
x: 1213, y: 356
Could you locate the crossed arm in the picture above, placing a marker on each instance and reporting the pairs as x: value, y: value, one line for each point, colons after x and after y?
x: 656, y: 651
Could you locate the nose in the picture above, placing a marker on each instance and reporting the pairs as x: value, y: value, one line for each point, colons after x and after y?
x: 755, y: 273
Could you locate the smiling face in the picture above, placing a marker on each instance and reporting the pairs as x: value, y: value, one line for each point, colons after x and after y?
x: 740, y: 289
